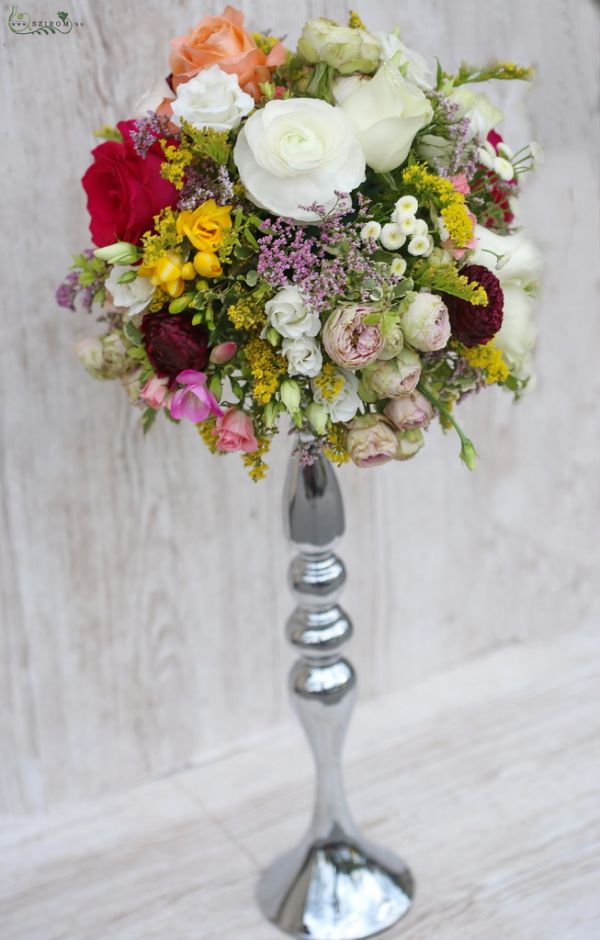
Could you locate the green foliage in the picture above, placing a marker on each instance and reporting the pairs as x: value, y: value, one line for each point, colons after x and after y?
x: 448, y: 280
x: 206, y: 143
x: 498, y: 70
x: 107, y: 132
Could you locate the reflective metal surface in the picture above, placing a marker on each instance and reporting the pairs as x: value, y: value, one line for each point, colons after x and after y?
x: 335, y: 885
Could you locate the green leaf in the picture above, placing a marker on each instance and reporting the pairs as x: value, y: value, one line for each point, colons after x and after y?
x: 148, y: 418
x: 252, y: 278
x: 135, y: 352
x: 133, y: 334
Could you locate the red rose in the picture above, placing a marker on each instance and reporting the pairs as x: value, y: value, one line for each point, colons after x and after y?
x: 173, y: 344
x: 124, y: 191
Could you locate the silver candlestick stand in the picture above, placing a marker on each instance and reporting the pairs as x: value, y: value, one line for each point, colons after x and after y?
x: 334, y: 885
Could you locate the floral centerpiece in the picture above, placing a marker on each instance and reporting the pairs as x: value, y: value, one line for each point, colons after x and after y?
x: 327, y: 233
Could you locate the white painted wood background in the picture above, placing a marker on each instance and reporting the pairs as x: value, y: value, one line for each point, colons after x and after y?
x: 143, y: 582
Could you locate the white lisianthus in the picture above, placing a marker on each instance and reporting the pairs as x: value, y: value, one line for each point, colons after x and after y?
x: 295, y: 152
x: 213, y: 98
x: 518, y: 270
x: 304, y: 356
x: 480, y: 112
x: 290, y: 316
x: 392, y: 236
x: 346, y: 49
x: 135, y: 295
x: 411, y: 63
x: 346, y: 403
x: 387, y: 111
x: 370, y: 231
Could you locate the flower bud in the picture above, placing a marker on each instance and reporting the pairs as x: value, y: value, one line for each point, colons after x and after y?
x: 317, y: 417
x: 180, y: 303
x: 119, y: 253
x: 398, y: 377
x: 105, y: 357
x: 270, y: 412
x: 207, y: 264
x: 468, y: 454
x: 289, y: 393
x: 346, y: 49
x: 272, y: 336
x: 223, y: 353
x: 410, y: 411
x: 394, y: 340
x: 370, y: 441
x: 426, y: 323
x: 409, y: 443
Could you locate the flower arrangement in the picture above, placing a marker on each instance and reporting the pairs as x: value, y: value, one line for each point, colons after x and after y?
x: 327, y: 234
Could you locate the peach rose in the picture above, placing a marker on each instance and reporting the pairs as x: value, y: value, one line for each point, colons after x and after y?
x: 223, y: 41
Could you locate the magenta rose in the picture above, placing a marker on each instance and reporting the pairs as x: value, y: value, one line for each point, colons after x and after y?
x: 124, y: 191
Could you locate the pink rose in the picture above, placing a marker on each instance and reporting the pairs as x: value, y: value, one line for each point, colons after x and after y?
x: 371, y: 441
x: 397, y: 377
x: 411, y: 411
x: 426, y: 323
x: 349, y: 341
x: 155, y: 392
x: 235, y: 431
x: 194, y: 402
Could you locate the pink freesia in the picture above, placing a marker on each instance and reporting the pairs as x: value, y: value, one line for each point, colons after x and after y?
x: 461, y: 184
x: 235, y: 431
x: 155, y: 392
x: 223, y: 353
x: 195, y: 401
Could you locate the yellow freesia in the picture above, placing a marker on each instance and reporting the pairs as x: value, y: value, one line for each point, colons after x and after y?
x: 169, y: 272
x: 205, y: 227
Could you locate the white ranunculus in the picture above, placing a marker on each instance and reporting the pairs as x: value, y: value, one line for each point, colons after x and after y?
x: 290, y: 316
x: 522, y: 264
x: 304, y: 356
x: 213, y: 98
x: 152, y: 99
x: 413, y: 65
x: 387, y: 111
x: 295, y: 152
x: 518, y: 271
x: 135, y: 295
x: 344, y: 48
x: 481, y: 113
x: 346, y: 403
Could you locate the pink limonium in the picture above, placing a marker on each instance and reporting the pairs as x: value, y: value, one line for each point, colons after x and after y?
x: 351, y: 342
x: 155, y: 393
x: 234, y: 431
x: 223, y: 353
x: 194, y: 401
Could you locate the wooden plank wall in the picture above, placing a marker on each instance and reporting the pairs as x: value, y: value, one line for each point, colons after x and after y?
x: 143, y: 582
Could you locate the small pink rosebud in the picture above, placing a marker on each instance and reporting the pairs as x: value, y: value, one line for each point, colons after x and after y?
x: 409, y: 412
x: 235, y: 431
x: 223, y: 353
x: 155, y: 392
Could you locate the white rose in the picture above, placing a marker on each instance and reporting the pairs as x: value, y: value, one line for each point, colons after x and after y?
x: 290, y: 316
x: 294, y: 152
x: 346, y: 403
x: 304, y: 356
x: 152, y: 99
x: 426, y: 323
x: 481, y: 113
x: 515, y: 259
x: 344, y: 48
x: 387, y: 111
x: 518, y: 271
x: 213, y: 98
x: 135, y: 295
x: 517, y: 335
x: 412, y: 64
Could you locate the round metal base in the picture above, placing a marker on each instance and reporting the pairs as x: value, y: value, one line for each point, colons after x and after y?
x: 343, y: 889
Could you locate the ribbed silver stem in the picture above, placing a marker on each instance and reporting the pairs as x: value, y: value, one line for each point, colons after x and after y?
x: 334, y: 885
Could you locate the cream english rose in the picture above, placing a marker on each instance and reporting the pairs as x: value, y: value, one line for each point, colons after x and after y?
x: 293, y: 153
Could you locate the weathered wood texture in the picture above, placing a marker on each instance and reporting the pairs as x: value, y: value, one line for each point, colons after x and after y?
x: 484, y: 778
x: 143, y: 582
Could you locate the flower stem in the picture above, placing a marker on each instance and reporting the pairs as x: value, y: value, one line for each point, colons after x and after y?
x: 468, y: 454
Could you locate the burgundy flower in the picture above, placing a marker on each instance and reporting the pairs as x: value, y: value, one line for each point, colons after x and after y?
x: 124, y: 190
x: 476, y: 325
x: 173, y: 344
x: 499, y: 190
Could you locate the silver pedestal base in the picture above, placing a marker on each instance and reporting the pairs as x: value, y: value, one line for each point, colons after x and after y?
x: 341, y: 889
